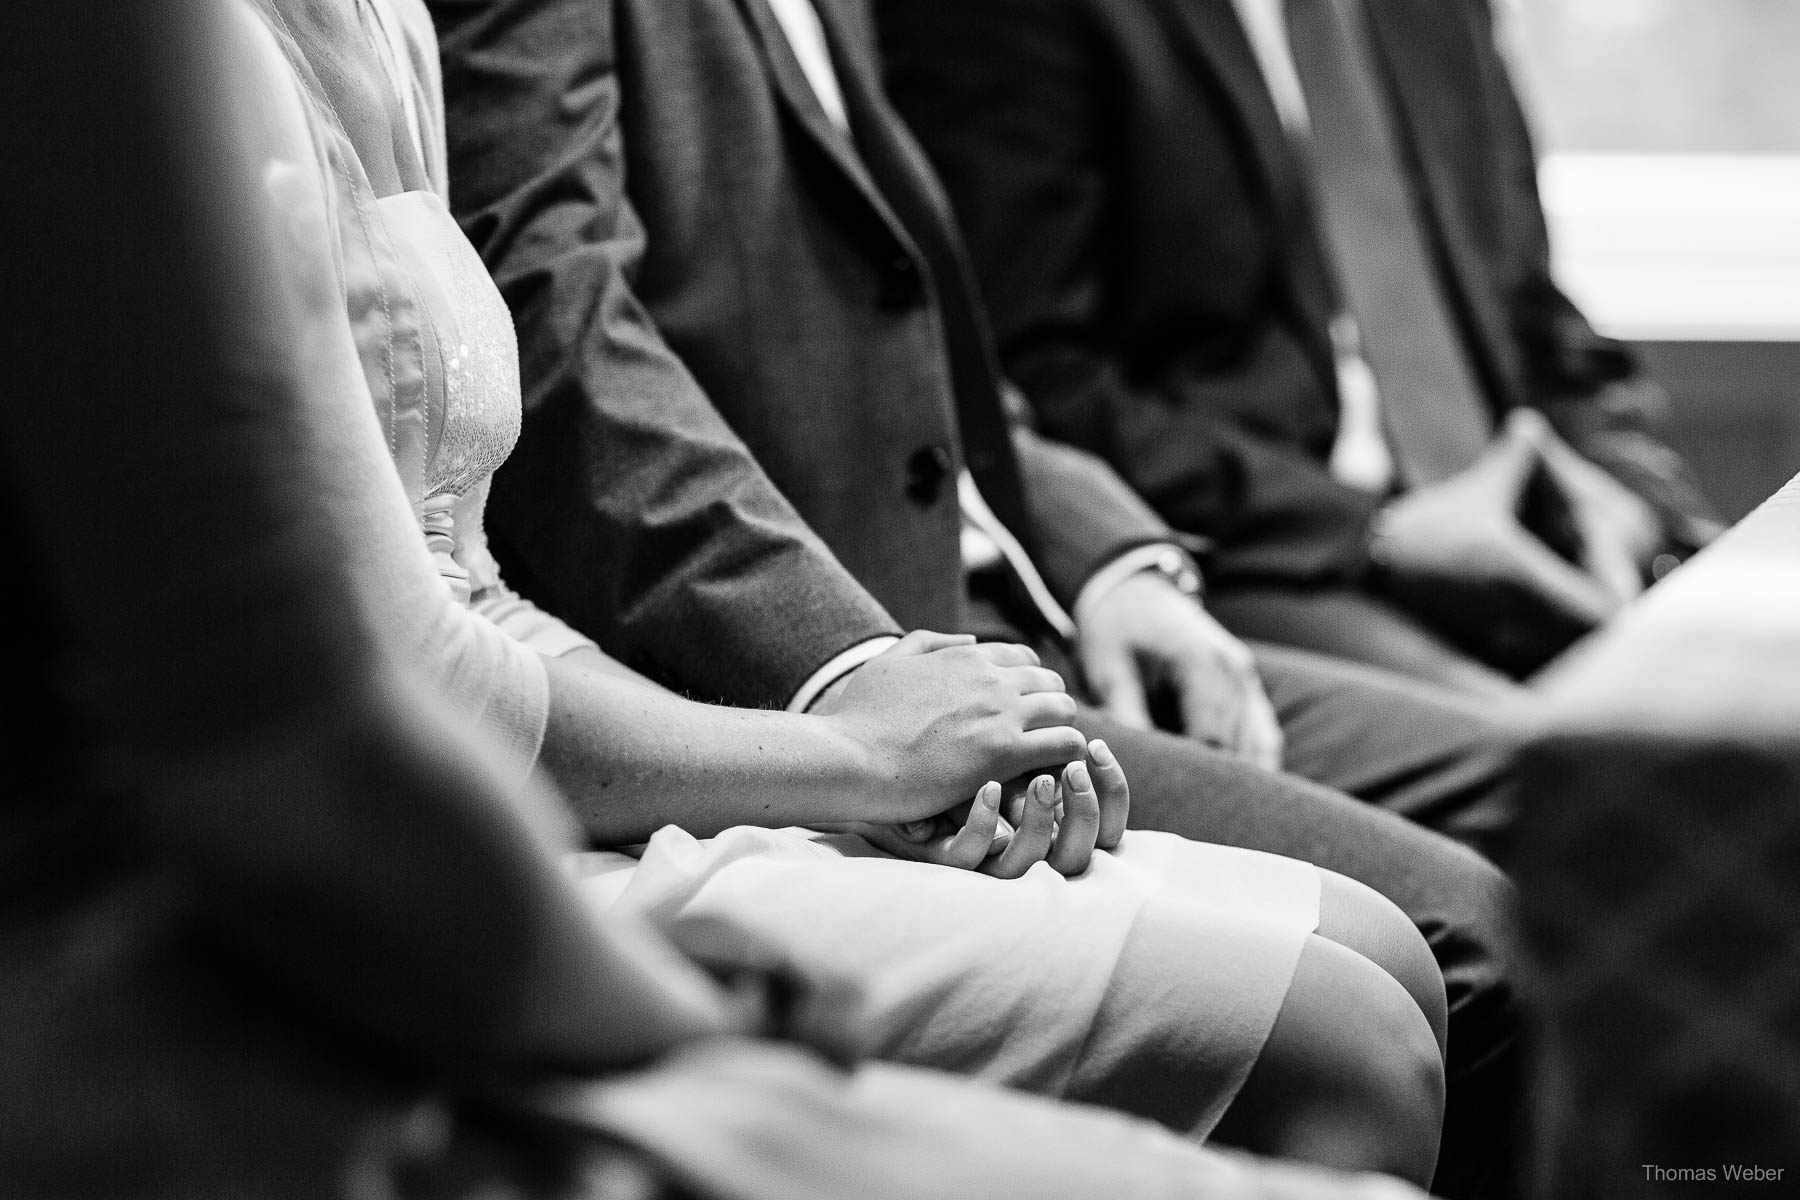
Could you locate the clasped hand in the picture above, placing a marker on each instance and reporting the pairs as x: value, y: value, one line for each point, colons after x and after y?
x: 943, y: 719
x: 1056, y: 819
x: 1467, y: 528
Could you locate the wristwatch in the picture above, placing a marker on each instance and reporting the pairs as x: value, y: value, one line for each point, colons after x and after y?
x: 1381, y: 523
x: 1180, y: 569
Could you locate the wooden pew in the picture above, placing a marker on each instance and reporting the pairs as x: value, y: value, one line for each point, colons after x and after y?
x: 1659, y: 865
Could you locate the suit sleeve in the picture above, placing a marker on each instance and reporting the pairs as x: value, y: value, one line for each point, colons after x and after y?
x: 1085, y: 516
x: 1593, y: 388
x: 630, y: 509
x: 1010, y: 98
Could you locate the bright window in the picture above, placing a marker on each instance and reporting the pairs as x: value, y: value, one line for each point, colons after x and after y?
x: 1673, y: 173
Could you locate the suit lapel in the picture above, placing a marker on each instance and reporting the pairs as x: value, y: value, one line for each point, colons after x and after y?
x: 1420, y: 77
x: 878, y: 131
x: 796, y: 93
x: 911, y: 187
x: 1213, y: 33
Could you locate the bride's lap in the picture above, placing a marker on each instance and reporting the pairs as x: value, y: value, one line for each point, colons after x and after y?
x: 1149, y: 983
x: 1350, y: 1077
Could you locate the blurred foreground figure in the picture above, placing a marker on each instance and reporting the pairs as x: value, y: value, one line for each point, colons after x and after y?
x: 1283, y: 262
x: 230, y: 966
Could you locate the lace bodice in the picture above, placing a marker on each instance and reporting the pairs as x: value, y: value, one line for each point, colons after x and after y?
x: 433, y: 333
x: 435, y: 338
x: 442, y: 361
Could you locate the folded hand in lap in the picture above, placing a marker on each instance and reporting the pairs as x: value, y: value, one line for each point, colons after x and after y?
x: 1005, y: 831
x: 1618, y: 529
x: 1466, y: 531
x: 937, y: 716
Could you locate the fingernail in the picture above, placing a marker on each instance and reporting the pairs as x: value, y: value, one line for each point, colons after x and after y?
x: 1102, y: 753
x: 1077, y: 776
x: 1043, y: 790
x: 989, y: 796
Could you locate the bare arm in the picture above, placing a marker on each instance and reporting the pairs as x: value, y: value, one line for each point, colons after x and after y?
x: 916, y: 732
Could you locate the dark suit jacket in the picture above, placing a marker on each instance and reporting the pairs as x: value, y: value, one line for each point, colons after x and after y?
x: 1141, y: 228
x: 673, y: 148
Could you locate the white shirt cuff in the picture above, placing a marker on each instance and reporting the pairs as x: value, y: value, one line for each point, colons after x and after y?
x: 836, y: 669
x: 1139, y: 558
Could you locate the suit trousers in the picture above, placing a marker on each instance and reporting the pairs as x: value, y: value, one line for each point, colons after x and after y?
x: 1491, y: 643
x: 1348, y: 623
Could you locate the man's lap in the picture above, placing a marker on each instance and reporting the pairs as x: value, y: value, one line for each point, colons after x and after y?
x: 1356, y: 627
x: 1204, y: 794
x: 1435, y: 757
x: 1440, y: 758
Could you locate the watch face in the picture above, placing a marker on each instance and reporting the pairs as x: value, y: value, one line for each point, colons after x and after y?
x: 1180, y: 572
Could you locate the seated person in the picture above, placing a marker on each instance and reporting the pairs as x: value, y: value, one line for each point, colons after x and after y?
x: 230, y: 966
x: 1219, y: 991
x: 703, y: 209
x: 1283, y: 263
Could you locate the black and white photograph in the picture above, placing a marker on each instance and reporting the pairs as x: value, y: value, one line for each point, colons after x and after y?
x: 900, y: 600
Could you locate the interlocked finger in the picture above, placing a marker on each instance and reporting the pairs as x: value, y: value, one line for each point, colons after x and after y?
x: 1035, y: 834
x: 1008, y: 654
x: 974, y: 842
x: 1043, y: 709
x: 1048, y: 748
x: 1538, y: 568
x: 1035, y: 679
x: 1112, y: 792
x: 1079, y: 826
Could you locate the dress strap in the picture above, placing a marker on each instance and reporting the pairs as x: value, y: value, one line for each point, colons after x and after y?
x: 389, y: 40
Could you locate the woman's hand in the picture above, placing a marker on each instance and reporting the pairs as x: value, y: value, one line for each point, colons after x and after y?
x: 1061, y: 825
x: 966, y: 837
x: 937, y: 716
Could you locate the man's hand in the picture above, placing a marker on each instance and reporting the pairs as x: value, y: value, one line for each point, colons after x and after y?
x: 1062, y: 826
x: 1465, y: 530
x: 937, y: 715
x: 1619, y: 530
x: 1144, y: 634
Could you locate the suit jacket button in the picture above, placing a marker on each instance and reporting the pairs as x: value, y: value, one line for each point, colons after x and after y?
x: 926, y: 472
x: 902, y: 287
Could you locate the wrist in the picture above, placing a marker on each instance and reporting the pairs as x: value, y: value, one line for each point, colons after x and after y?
x: 1162, y: 560
x: 822, y: 688
x: 863, y: 773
